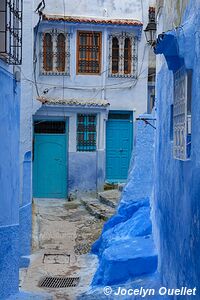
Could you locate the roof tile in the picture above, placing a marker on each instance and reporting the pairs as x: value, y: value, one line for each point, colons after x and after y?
x: 75, y: 19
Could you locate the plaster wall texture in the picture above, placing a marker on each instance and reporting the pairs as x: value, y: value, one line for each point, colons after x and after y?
x: 9, y: 147
x: 96, y: 8
x: 125, y: 247
x: 122, y: 93
x: 25, y: 157
x: 9, y: 181
x: 176, y: 205
x: 141, y: 160
x: 86, y: 170
x: 172, y: 12
x: 26, y: 93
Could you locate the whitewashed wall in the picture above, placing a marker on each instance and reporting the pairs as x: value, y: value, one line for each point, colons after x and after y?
x: 128, y: 96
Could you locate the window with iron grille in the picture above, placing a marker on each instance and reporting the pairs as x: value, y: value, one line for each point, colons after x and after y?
x: 55, y: 53
x: 86, y: 132
x: 182, y: 114
x: 123, y: 55
x: 88, y: 52
x: 11, y: 31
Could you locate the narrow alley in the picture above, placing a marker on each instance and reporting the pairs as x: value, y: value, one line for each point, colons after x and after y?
x: 63, y: 233
x: 99, y: 151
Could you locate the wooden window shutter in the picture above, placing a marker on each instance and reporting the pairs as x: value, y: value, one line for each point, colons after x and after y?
x: 47, y: 52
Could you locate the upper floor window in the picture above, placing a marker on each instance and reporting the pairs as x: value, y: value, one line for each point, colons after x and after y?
x: 115, y: 56
x: 11, y: 31
x: 123, y: 55
x: 55, y: 53
x: 182, y: 114
x: 48, y: 52
x: 88, y: 52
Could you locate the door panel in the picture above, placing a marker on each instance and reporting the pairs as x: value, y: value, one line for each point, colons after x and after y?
x: 119, y: 133
x: 49, y: 167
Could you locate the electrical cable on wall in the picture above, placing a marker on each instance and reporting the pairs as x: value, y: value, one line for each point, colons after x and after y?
x: 39, y: 10
x: 65, y: 46
x: 35, y: 54
x: 134, y: 81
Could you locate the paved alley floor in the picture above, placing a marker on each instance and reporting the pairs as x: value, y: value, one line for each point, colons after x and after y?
x: 62, y: 236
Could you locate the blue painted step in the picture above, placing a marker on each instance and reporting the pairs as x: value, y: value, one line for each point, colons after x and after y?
x: 138, y: 225
x: 126, y: 259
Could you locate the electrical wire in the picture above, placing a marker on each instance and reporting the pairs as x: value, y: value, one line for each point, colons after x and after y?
x: 63, y: 78
x: 35, y: 54
x: 107, y: 86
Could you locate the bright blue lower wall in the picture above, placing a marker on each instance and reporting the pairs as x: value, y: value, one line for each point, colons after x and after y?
x: 9, y: 260
x: 177, y: 190
x: 25, y: 230
x: 9, y: 183
x: 125, y: 247
x: 25, y: 212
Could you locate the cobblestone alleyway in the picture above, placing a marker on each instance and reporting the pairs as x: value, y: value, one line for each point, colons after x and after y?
x: 62, y: 236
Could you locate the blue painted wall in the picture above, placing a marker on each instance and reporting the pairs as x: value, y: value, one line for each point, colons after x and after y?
x: 25, y: 212
x: 9, y: 182
x: 125, y: 247
x: 177, y: 190
x: 86, y: 171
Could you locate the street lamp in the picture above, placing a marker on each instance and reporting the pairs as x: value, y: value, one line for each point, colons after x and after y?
x: 150, y: 31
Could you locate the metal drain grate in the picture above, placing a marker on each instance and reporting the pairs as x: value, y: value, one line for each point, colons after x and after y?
x: 59, y: 282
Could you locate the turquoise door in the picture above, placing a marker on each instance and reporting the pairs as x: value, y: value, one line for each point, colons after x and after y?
x: 119, y: 140
x: 49, y: 166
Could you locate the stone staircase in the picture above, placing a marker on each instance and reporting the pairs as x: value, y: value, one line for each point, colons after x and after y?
x: 104, y: 206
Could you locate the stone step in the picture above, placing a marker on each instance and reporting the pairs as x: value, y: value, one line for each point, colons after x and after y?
x: 131, y: 257
x: 110, y: 197
x: 97, y: 209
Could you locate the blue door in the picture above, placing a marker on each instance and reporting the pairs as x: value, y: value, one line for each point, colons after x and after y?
x: 49, y: 166
x: 119, y: 138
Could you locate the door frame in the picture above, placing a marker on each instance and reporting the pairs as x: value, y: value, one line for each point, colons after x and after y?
x: 131, y: 113
x: 66, y: 120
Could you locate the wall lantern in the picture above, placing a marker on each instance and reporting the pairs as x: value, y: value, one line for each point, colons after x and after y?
x: 150, y: 31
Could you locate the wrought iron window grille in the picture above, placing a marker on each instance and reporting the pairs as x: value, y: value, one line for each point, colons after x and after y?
x: 11, y: 31
x: 89, y: 52
x: 124, y: 63
x: 55, y: 60
x: 86, y: 133
x: 182, y: 114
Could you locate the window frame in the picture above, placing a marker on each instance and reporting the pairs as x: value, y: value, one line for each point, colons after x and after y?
x: 45, y: 52
x: 133, y: 64
x: 127, y: 59
x: 78, y: 54
x: 86, y: 148
x: 11, y: 14
x: 182, y: 114
x: 55, y: 34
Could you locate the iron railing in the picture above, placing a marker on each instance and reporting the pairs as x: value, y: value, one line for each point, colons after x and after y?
x: 11, y: 31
